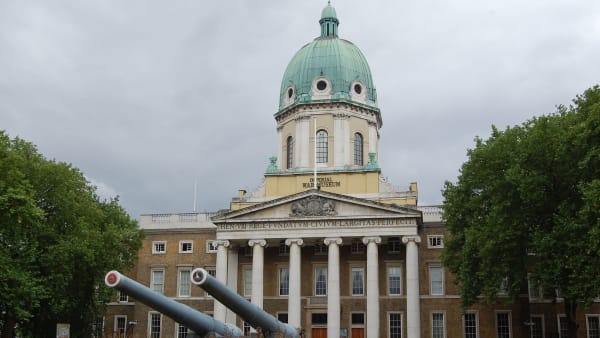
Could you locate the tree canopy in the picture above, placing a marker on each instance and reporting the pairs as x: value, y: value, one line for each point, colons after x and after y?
x: 57, y: 240
x: 527, y: 200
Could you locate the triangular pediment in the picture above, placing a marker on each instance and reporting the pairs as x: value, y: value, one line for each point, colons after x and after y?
x: 317, y: 204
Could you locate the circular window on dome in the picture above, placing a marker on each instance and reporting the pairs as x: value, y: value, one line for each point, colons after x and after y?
x: 321, y: 85
x: 290, y: 92
x: 357, y: 88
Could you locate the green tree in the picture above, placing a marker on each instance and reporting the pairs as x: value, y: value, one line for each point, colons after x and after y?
x: 57, y: 240
x: 532, y: 188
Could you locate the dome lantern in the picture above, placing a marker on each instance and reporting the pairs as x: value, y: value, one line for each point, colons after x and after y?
x: 329, y: 21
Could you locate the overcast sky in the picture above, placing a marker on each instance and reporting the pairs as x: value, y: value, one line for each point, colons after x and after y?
x: 145, y: 97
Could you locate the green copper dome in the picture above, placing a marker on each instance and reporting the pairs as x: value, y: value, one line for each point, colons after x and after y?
x: 328, y: 68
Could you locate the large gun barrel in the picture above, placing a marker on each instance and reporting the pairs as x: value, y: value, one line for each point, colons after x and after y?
x: 197, y: 321
x: 251, y: 313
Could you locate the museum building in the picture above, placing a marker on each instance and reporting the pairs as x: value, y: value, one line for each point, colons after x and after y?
x: 326, y: 243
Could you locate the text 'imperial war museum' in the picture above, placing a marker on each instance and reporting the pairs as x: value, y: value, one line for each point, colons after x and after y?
x: 349, y: 256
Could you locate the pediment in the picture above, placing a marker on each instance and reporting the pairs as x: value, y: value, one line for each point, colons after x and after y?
x: 317, y: 204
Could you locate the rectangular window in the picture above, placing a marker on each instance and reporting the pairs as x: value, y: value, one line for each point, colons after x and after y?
x: 159, y: 247
x: 182, y: 331
x: 320, y: 281
x: 211, y: 271
x: 435, y: 241
x: 394, y: 280
x: 503, y: 325
x: 357, y: 246
x: 284, y: 282
x: 436, y: 280
x: 395, y: 324
x: 186, y: 246
x: 154, y: 323
x: 123, y: 298
x: 503, y: 289
x: 158, y: 280
x: 471, y: 325
x: 357, y: 318
x: 438, y: 325
x: 394, y: 245
x: 211, y: 247
x: 284, y: 250
x: 319, y: 318
x: 184, y: 285
x: 563, y: 326
x: 247, y: 281
x: 593, y: 326
x: 282, y: 317
x: 247, y: 328
x: 121, y: 325
x: 98, y: 328
x: 357, y: 281
x: 537, y: 327
x: 535, y: 290
x: 320, y: 248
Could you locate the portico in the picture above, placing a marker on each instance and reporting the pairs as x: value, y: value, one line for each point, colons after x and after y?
x: 309, y: 220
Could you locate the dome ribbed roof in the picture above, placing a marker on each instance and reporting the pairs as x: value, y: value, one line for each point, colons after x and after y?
x: 337, y: 60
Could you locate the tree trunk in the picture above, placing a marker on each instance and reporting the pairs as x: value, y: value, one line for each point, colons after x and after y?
x: 8, y: 327
x: 571, y: 312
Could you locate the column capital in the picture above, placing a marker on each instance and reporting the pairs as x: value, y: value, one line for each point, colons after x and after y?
x: 298, y: 241
x: 333, y: 240
x: 372, y: 239
x: 260, y: 242
x: 222, y: 242
x: 407, y: 239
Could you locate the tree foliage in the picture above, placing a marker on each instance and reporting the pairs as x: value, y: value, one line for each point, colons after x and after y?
x: 57, y: 240
x: 532, y: 188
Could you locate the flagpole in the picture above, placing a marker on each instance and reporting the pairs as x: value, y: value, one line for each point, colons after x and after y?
x: 315, y: 156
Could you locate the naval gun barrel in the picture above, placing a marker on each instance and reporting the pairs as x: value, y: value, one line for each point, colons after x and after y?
x: 251, y: 313
x: 200, y: 323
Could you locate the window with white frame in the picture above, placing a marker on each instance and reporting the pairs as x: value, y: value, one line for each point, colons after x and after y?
x: 395, y: 324
x: 537, y: 326
x: 320, y: 281
x: 563, y: 326
x: 247, y: 329
x: 471, y: 325
x: 358, y: 149
x: 435, y: 241
x: 120, y: 326
x: 159, y: 247
x: 290, y: 153
x: 284, y: 281
x: 184, y: 285
x: 284, y: 250
x: 186, y: 246
x: 394, y: 280
x: 98, y: 327
x: 123, y: 298
x: 358, y: 281
x: 322, y: 146
x: 436, y: 280
x: 503, y: 329
x: 182, y: 331
x: 503, y: 289
x: 357, y: 246
x: 157, y: 280
x: 394, y: 245
x: 438, y: 325
x: 213, y: 272
x: 211, y: 247
x: 154, y: 323
x: 247, y: 274
x: 534, y: 289
x: 593, y: 326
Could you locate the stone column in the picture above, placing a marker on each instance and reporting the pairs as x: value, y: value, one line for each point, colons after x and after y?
x: 294, y: 306
x: 232, y: 278
x: 258, y: 253
x: 220, y: 311
x: 333, y: 286
x: 413, y: 310
x: 372, y: 286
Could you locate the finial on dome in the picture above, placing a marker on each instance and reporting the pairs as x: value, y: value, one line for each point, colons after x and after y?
x: 329, y: 21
